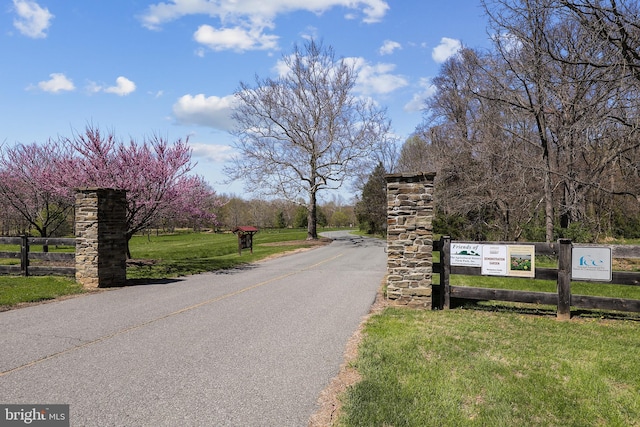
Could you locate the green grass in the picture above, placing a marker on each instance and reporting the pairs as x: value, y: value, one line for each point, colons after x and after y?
x: 478, y: 368
x: 15, y: 289
x: 191, y: 253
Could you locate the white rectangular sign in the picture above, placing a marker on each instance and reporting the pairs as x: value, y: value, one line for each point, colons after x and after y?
x: 591, y: 263
x: 466, y: 254
x: 494, y: 260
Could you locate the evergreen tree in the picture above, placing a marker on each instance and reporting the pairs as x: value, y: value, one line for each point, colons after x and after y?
x: 371, y: 211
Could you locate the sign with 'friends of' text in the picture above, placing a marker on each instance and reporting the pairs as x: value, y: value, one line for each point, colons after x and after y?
x: 466, y: 254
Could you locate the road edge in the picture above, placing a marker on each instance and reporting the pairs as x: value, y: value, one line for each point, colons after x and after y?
x: 329, y: 403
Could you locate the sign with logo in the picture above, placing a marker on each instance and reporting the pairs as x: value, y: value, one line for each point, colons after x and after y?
x: 494, y: 260
x: 466, y: 254
x: 34, y: 415
x: 522, y: 260
x: 591, y: 263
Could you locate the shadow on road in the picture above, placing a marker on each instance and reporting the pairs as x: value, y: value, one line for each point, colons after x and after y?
x: 358, y: 241
x: 144, y: 282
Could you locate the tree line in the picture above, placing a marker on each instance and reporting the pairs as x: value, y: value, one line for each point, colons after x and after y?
x: 538, y: 137
x: 236, y: 211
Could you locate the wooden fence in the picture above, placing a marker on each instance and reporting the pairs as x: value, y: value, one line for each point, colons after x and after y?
x: 52, y: 263
x: 563, y: 298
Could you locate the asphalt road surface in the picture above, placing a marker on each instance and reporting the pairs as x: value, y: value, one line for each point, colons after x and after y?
x: 247, y: 347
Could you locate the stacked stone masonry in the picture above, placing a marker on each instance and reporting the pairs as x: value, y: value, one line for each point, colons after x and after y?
x: 101, y: 245
x: 410, y: 239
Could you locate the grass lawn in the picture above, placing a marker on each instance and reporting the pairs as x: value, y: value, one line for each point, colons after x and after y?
x: 180, y: 254
x: 16, y: 289
x: 485, y: 368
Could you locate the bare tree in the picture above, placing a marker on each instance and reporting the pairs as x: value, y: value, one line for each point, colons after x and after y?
x: 415, y: 155
x: 616, y: 23
x: 544, y: 124
x: 577, y: 65
x: 609, y: 46
x: 520, y: 28
x: 474, y: 144
x: 305, y: 131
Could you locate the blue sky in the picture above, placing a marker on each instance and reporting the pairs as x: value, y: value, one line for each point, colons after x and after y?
x: 142, y: 67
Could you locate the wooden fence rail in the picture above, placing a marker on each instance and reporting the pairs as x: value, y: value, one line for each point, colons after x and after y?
x: 26, y: 255
x: 563, y: 298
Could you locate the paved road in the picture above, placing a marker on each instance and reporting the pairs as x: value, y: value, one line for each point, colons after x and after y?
x: 250, y: 347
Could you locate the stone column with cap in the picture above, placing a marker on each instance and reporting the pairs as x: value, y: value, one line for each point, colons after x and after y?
x: 410, y: 239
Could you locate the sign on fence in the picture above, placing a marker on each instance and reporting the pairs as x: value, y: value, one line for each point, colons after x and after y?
x: 466, y: 254
x: 494, y: 260
x: 591, y: 263
x: 522, y: 260
x: 508, y: 260
x: 581, y: 262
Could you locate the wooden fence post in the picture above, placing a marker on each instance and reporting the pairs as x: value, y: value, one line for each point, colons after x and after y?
x: 24, y: 255
x: 445, y: 268
x: 564, y: 280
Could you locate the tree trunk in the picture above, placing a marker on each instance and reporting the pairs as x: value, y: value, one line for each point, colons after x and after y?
x: 548, y: 198
x: 128, y: 237
x: 312, y: 217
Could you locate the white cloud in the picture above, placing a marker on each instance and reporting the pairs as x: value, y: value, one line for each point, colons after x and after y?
x: 388, y: 47
x: 447, y: 48
x: 237, y: 38
x: 418, y: 102
x: 209, y: 111
x: 123, y: 87
x: 160, y: 13
x: 212, y: 152
x: 33, y: 20
x: 243, y: 21
x: 57, y: 83
x: 376, y: 79
x: 374, y: 10
x: 310, y: 33
x: 509, y: 42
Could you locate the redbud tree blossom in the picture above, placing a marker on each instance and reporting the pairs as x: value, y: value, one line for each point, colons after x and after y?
x: 154, y: 173
x: 28, y: 186
x: 40, y: 180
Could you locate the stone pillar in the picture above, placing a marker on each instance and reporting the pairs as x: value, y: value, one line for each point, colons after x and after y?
x: 101, y: 245
x: 410, y: 239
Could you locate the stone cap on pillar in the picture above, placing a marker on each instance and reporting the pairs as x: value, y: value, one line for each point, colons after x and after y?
x: 410, y: 177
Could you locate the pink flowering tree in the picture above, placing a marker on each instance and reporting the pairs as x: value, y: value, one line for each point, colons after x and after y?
x: 194, y: 203
x: 154, y: 173
x: 39, y: 180
x: 28, y: 178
